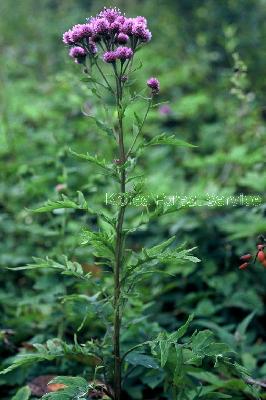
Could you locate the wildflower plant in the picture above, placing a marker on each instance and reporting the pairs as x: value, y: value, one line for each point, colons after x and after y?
x: 105, y: 47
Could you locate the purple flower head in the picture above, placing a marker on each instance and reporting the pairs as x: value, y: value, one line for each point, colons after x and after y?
x: 78, y: 53
x: 140, y: 31
x: 124, y: 53
x: 115, y: 26
x: 87, y: 30
x: 110, y: 57
x: 154, y: 84
x: 141, y: 20
x: 110, y: 14
x: 76, y: 33
x: 128, y: 25
x: 101, y: 26
x: 121, y: 19
x: 122, y: 38
x: 145, y: 36
x: 67, y: 37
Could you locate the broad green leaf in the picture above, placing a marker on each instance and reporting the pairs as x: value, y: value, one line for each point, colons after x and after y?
x: 215, y: 395
x: 242, y: 327
x: 222, y: 333
x: 208, y: 377
x: 136, y: 358
x: 22, y: 394
x: 201, y: 340
x: 174, y: 337
x: 75, y: 388
x: 27, y: 359
x: 164, y: 349
x: 217, y: 349
x: 152, y: 378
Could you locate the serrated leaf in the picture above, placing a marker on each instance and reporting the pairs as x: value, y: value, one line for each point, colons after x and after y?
x: 52, y: 205
x: 102, y: 243
x: 68, y: 267
x: 93, y: 159
x: 164, y: 139
x: 158, y: 249
x: 53, y: 349
x: 105, y: 128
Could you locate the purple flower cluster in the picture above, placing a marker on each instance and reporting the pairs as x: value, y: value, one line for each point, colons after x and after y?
x: 154, y: 84
x: 110, y: 29
x: 121, y: 53
x: 78, y: 53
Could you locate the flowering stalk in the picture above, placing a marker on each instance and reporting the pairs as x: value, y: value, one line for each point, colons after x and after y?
x: 118, y: 37
x: 119, y: 243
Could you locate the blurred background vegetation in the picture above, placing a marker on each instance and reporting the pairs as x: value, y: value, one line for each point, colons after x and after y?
x: 214, y: 102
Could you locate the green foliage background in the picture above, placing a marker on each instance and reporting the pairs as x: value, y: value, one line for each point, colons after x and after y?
x: 42, y: 100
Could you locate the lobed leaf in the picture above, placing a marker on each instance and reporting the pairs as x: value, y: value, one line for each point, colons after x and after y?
x: 52, y: 205
x: 163, y: 139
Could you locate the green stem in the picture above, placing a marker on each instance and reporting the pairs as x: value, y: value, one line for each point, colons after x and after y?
x: 140, y: 128
x: 119, y: 247
x: 104, y: 78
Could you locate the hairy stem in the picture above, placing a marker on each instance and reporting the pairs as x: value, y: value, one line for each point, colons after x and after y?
x: 119, y: 246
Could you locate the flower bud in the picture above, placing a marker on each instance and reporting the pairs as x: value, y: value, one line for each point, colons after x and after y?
x: 261, y: 256
x: 154, y: 84
x: 246, y: 257
x: 244, y: 266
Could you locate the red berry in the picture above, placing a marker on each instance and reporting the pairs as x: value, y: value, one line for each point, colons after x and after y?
x: 246, y: 257
x: 261, y: 256
x: 260, y: 246
x: 243, y: 266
